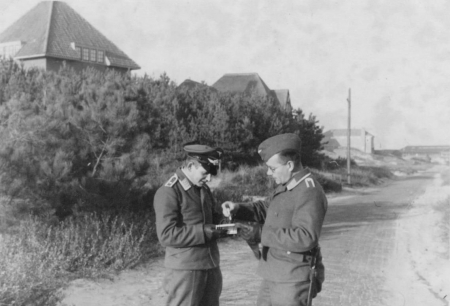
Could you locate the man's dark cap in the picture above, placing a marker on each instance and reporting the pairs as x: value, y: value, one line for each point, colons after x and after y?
x: 208, y: 157
x: 278, y: 143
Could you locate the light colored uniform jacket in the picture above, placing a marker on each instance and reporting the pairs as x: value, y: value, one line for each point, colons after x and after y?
x: 293, y: 217
x: 181, y: 211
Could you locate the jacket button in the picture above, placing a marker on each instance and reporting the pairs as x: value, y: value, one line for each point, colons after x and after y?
x: 288, y: 252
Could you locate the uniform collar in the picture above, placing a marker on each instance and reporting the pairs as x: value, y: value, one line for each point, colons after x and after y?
x: 184, y: 181
x: 298, y: 178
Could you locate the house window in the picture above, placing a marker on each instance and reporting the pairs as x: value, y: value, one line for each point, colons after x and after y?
x: 85, y: 54
x: 78, y: 50
x: 93, y: 55
x: 100, y: 56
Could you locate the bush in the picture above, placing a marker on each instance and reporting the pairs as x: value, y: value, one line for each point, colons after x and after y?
x: 98, y: 141
x: 329, y: 183
x: 39, y: 258
x: 246, y: 181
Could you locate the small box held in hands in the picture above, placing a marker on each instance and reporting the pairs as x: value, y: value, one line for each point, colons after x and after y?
x: 230, y: 227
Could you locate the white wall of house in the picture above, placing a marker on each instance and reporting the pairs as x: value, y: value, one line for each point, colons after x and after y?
x: 359, y: 139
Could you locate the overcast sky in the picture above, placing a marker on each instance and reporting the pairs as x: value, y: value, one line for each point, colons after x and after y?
x: 394, y: 55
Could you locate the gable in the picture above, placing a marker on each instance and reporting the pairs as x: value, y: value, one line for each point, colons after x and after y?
x: 244, y: 83
x: 54, y: 29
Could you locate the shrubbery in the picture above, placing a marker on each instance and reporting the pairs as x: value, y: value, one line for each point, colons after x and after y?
x: 95, y: 140
x: 84, y: 154
x: 39, y: 257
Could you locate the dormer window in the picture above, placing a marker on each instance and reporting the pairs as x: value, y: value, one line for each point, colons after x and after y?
x: 93, y: 55
x: 88, y: 54
x: 9, y: 49
x: 100, y: 56
x: 85, y: 54
x: 78, y: 50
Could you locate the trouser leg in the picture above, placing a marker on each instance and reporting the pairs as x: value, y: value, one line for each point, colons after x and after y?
x: 264, y: 294
x: 283, y: 294
x: 193, y: 287
x: 213, y: 288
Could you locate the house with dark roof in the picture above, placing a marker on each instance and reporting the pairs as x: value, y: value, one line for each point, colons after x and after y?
x: 52, y: 33
x: 359, y: 139
x: 248, y: 83
x: 284, y: 98
x: 189, y: 84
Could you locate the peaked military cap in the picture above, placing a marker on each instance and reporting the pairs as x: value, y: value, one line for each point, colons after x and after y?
x: 208, y: 157
x: 278, y: 143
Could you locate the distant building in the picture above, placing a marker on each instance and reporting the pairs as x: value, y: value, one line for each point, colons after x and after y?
x: 192, y: 84
x: 359, y: 139
x: 248, y: 83
x: 52, y: 33
x: 283, y: 98
x: 429, y: 153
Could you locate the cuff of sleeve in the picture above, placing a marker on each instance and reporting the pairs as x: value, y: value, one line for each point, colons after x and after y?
x: 245, y: 212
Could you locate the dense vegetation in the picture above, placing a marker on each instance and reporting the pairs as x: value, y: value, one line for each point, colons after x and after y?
x: 83, y: 142
x: 81, y: 156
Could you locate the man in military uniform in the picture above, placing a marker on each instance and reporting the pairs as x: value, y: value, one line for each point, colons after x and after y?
x: 287, y: 225
x: 185, y: 224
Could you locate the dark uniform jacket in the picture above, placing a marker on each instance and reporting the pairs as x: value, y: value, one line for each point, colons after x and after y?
x: 293, y: 217
x: 181, y: 210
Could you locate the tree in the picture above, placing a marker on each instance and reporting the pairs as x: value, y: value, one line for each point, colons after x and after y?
x: 311, y: 135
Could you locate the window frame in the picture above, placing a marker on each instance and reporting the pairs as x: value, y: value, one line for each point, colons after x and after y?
x: 92, y: 55
x: 100, y: 56
x: 86, y: 54
x: 79, y: 52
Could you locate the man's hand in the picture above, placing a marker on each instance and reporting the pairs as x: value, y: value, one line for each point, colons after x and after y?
x: 228, y: 208
x: 211, y: 233
x: 249, y: 231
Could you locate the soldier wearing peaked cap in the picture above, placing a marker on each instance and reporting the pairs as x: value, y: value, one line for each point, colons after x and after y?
x: 287, y: 225
x: 185, y: 225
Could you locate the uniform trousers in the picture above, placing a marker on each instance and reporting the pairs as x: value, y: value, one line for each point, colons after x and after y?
x: 283, y: 294
x: 193, y: 287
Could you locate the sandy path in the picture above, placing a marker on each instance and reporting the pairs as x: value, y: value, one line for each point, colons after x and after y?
x: 372, y: 243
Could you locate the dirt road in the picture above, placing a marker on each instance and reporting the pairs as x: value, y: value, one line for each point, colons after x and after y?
x: 373, y: 244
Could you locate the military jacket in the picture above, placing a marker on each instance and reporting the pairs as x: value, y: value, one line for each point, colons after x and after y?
x: 293, y: 217
x: 181, y: 211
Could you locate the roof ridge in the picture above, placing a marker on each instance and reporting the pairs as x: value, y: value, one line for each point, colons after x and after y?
x: 47, y: 32
x: 246, y: 73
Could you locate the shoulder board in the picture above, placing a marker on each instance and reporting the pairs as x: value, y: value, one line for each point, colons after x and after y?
x: 172, y: 181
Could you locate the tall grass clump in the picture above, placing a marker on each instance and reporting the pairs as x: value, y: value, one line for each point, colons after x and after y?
x: 249, y: 182
x: 40, y: 258
x: 328, y: 182
x: 245, y: 181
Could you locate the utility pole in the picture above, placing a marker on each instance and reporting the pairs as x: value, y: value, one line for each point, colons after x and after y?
x: 349, y: 100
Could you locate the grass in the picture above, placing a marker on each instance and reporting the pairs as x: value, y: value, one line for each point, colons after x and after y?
x: 248, y: 182
x: 364, y: 175
x: 245, y: 181
x: 39, y: 255
x: 39, y: 258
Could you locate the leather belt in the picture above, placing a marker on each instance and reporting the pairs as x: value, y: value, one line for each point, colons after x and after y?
x: 311, y: 252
